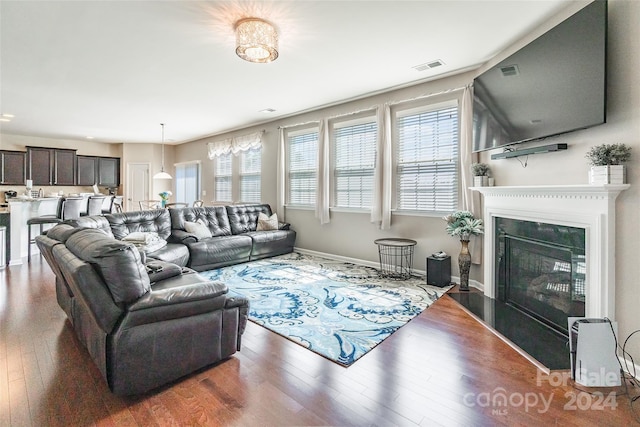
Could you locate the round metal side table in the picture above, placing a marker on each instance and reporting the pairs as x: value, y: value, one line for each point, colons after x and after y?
x: 396, y: 257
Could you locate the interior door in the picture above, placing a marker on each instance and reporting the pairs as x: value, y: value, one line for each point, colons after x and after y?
x: 137, y: 185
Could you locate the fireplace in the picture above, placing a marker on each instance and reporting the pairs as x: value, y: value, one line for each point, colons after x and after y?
x: 558, y: 210
x: 540, y: 270
x: 548, y: 253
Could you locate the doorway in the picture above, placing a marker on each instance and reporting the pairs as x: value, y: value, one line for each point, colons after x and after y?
x: 137, y: 185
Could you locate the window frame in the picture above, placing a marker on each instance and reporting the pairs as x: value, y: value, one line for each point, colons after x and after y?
x: 297, y: 132
x: 365, y: 118
x: 415, y: 108
x: 241, y: 174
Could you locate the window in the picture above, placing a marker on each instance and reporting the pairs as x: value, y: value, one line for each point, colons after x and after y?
x: 426, y: 159
x: 250, y: 165
x: 354, y: 154
x: 188, y: 182
x: 302, y: 154
x: 223, y: 178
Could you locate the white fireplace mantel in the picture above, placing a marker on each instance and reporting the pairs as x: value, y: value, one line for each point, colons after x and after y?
x: 591, y: 207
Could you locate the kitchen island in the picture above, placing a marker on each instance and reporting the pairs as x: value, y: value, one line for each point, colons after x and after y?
x: 20, y: 210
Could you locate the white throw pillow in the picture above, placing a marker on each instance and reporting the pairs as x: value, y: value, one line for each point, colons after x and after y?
x: 198, y: 229
x: 267, y: 222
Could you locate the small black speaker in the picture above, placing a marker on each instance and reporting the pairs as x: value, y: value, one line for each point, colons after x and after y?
x: 439, y: 271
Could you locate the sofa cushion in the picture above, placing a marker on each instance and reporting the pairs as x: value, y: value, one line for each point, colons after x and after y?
x: 125, y: 223
x: 176, y: 253
x: 266, y: 223
x: 215, y: 218
x: 244, y: 218
x: 117, y: 262
x: 219, y: 251
x: 61, y: 232
x: 97, y: 221
x: 198, y: 229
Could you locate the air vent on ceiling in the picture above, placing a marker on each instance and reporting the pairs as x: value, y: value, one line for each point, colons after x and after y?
x: 428, y: 65
x: 509, y: 71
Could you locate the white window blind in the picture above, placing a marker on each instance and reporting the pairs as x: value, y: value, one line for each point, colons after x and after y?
x: 354, y: 161
x: 223, y: 177
x: 427, y: 159
x: 250, y: 167
x: 187, y: 182
x: 302, y: 154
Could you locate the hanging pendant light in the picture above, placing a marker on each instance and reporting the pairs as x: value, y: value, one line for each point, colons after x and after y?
x: 162, y: 174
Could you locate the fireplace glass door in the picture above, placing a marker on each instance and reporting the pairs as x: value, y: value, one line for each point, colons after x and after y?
x: 541, y: 270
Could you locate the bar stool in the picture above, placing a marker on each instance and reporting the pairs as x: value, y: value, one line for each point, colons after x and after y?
x: 116, y: 207
x: 68, y: 208
x: 41, y: 221
x: 107, y: 204
x: 95, y: 205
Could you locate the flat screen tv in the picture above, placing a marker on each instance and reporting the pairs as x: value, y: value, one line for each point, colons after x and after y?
x: 553, y: 85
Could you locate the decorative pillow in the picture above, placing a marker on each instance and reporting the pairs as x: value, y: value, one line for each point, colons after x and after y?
x: 267, y: 222
x: 198, y: 229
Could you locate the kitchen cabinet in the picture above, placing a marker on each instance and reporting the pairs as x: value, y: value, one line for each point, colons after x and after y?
x: 87, y: 170
x: 13, y: 167
x: 108, y: 171
x: 51, y: 166
x: 104, y: 171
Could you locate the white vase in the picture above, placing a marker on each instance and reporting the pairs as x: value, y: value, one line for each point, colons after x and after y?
x: 480, y: 181
x: 612, y: 174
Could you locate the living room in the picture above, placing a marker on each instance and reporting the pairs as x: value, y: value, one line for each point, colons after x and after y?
x: 351, y: 235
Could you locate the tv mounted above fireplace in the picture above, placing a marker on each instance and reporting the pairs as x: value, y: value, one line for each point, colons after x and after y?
x: 553, y: 85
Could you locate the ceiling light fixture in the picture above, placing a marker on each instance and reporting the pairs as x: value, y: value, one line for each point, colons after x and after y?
x: 256, y: 40
x: 162, y: 174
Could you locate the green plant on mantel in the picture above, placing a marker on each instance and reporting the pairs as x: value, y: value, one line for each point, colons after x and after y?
x: 480, y: 169
x: 608, y: 154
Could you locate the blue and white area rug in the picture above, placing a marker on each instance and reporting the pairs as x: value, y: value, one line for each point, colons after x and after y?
x: 336, y: 309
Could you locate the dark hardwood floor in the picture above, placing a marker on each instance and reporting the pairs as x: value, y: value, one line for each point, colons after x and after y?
x: 442, y: 368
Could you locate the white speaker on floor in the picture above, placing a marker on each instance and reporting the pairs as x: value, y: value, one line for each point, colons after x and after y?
x: 592, y: 345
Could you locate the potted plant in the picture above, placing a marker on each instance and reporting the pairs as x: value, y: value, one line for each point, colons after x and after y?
x: 463, y: 224
x: 606, y: 162
x: 481, y: 172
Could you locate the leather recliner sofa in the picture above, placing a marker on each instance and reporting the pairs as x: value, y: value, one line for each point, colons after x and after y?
x: 143, y: 325
x: 234, y: 236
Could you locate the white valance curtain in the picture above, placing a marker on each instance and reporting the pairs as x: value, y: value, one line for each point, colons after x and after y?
x: 235, y: 145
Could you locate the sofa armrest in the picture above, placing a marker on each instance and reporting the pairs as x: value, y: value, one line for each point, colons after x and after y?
x: 186, y: 295
x: 181, y: 236
x: 284, y: 226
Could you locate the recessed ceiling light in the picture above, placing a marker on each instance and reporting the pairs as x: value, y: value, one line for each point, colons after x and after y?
x: 267, y: 110
x: 89, y: 137
x: 8, y: 116
x: 3, y: 119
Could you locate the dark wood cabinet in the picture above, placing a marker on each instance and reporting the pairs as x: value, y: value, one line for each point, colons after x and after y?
x: 51, y: 166
x: 108, y: 171
x: 40, y: 165
x: 87, y: 170
x: 13, y: 167
x: 64, y: 167
x: 104, y: 171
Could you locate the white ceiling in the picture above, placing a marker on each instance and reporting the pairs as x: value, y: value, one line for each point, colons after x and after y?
x: 115, y: 70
